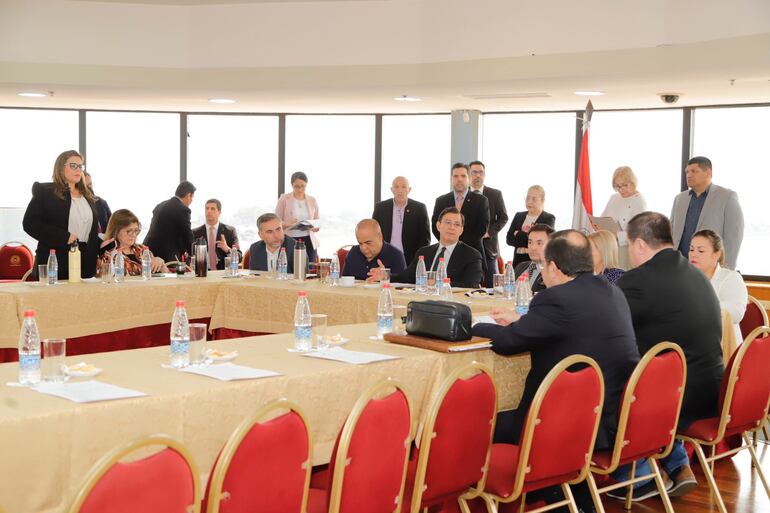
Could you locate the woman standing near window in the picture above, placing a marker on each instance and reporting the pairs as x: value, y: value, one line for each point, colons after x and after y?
x: 622, y: 206
x: 297, y: 206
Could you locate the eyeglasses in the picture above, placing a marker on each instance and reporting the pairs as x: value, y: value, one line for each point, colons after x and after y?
x: 448, y: 224
x: 477, y: 172
x: 134, y: 231
x: 618, y: 186
x: 73, y: 166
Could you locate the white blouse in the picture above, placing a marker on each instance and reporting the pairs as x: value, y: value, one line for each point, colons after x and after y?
x: 622, y: 210
x: 300, y: 212
x: 81, y: 218
x: 733, y: 296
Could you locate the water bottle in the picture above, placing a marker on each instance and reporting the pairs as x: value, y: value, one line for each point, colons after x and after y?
x: 180, y: 337
x: 445, y: 292
x: 303, y: 340
x: 234, y: 260
x: 146, y: 264
x: 334, y: 271
x: 120, y: 267
x: 73, y: 263
x: 384, y: 311
x: 440, y: 274
x: 523, y: 294
x: 29, y: 350
x: 283, y: 265
x: 421, y: 276
x: 509, y: 281
x: 53, y: 268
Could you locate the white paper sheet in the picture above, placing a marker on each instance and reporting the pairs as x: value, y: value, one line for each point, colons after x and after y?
x: 469, y: 347
x: 87, y: 391
x: 484, y: 319
x: 355, y: 357
x: 230, y: 372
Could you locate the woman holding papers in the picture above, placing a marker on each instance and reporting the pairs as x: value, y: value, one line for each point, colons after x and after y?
x: 297, y: 210
x: 622, y: 206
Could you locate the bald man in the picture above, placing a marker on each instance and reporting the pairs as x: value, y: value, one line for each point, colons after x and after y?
x: 372, y: 251
x: 404, y: 221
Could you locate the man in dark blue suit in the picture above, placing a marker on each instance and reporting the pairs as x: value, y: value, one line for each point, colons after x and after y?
x: 263, y: 255
x: 372, y: 252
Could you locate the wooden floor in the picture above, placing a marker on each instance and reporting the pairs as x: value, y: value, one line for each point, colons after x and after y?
x: 741, y: 489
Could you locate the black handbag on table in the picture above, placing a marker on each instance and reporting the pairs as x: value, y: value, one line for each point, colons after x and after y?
x: 445, y: 320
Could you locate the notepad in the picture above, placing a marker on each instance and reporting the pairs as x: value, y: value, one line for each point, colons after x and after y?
x: 87, y: 391
x: 340, y: 354
x: 229, y: 372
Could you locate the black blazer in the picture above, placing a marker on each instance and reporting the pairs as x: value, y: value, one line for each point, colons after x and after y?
x: 497, y: 219
x: 538, y: 285
x: 463, y: 268
x: 258, y: 255
x: 170, y: 235
x: 47, y: 221
x: 231, y: 237
x: 517, y: 238
x: 672, y: 300
x: 476, y: 212
x: 103, y: 214
x: 584, y: 316
x: 415, y: 232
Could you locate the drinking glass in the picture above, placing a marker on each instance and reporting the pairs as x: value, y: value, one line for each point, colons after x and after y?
x: 324, y: 271
x: 198, y: 354
x: 318, y: 326
x: 106, y: 272
x: 384, y: 275
x: 431, y: 281
x: 53, y: 359
x: 499, y: 283
x: 227, y: 266
x: 42, y: 274
x: 399, y: 320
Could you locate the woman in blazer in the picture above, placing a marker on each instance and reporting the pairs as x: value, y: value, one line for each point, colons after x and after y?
x: 297, y: 206
x: 523, y: 221
x: 61, y: 213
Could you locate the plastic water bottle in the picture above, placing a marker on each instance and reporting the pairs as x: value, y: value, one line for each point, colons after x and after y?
x: 180, y: 336
x: 120, y: 267
x: 334, y: 271
x: 283, y: 265
x: 509, y: 281
x: 146, y: 264
x: 445, y: 292
x: 421, y: 276
x: 440, y: 274
x: 523, y: 294
x: 53, y: 268
x: 384, y: 311
x: 29, y: 350
x: 234, y: 260
x: 303, y: 340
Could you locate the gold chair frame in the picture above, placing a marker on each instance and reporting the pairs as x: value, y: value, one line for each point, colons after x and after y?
x: 268, y: 412
x: 342, y: 460
x: 107, y: 461
x: 533, y: 420
x: 428, y: 433
x: 759, y: 305
x: 621, y: 442
x: 707, y: 463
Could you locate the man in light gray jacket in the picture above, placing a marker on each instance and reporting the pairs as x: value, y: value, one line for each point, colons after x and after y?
x: 707, y: 206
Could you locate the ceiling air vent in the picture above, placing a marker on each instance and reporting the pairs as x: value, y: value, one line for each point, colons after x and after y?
x: 506, y: 96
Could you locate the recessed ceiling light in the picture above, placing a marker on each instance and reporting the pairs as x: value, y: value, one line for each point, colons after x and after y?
x: 589, y: 93
x: 221, y: 100
x: 33, y: 94
x: 405, y: 98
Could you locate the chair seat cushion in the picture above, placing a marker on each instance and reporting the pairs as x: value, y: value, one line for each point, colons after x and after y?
x: 317, y: 501
x: 705, y: 430
x: 503, y: 463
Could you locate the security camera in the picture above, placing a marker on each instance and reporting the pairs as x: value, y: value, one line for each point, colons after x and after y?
x: 669, y: 97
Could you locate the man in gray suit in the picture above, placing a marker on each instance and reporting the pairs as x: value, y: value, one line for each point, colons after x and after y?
x: 706, y: 205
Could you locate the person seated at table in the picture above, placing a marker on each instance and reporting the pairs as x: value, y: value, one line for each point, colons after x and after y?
x: 372, y: 251
x: 707, y: 254
x: 463, y: 263
x: 122, y: 230
x: 263, y: 254
x: 537, y: 239
x: 604, y: 249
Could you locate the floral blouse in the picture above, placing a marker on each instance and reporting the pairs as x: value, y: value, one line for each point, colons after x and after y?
x: 132, y: 260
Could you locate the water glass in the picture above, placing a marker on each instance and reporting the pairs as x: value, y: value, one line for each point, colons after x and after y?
x: 53, y: 359
x: 318, y: 326
x: 198, y: 354
x: 431, y: 281
x: 399, y: 320
x: 42, y: 274
x: 227, y: 266
x: 499, y: 284
x: 324, y: 272
x: 106, y: 272
x: 384, y: 275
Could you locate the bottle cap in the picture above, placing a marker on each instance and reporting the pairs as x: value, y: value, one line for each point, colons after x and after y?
x: 523, y: 276
x: 283, y: 249
x: 302, y: 293
x: 509, y: 263
x: 441, y: 259
x: 386, y: 285
x: 53, y: 251
x: 180, y: 303
x: 29, y: 313
x: 446, y: 280
x: 422, y: 257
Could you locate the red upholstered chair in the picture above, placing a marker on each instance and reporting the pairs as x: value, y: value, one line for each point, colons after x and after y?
x: 15, y: 260
x: 755, y: 316
x: 164, y: 482
x: 647, y: 421
x: 264, y: 466
x: 743, y: 405
x: 368, y: 464
x: 342, y: 254
x: 453, y: 456
x: 557, y: 440
x: 246, y: 258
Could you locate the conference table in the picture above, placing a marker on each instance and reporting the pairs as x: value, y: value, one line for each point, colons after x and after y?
x: 48, y: 444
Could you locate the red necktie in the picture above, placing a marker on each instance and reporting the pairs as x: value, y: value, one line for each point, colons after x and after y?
x: 459, y: 203
x: 212, y: 249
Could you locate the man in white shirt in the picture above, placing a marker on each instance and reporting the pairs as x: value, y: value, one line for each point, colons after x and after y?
x: 218, y: 237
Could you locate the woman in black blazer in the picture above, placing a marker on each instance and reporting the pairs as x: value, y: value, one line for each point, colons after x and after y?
x: 47, y: 218
x: 522, y: 221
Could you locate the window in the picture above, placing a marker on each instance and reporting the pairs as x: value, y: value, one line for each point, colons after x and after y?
x: 733, y: 138
x: 235, y: 160
x: 337, y: 154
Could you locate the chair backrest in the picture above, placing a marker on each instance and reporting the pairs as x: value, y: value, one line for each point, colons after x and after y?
x: 369, y: 464
x: 342, y: 254
x: 652, y: 400
x: 246, y: 258
x: 755, y: 316
x: 746, y: 385
x: 163, y: 482
x: 456, y: 439
x: 264, y: 466
x: 561, y: 426
x: 15, y: 260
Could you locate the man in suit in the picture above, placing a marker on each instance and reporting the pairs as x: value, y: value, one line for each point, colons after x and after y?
x: 474, y: 208
x: 170, y: 236
x: 372, y: 251
x: 101, y: 207
x: 463, y: 263
x: 537, y: 240
x: 263, y: 254
x: 403, y: 221
x: 671, y: 300
x: 497, y: 218
x: 707, y: 206
x: 218, y: 237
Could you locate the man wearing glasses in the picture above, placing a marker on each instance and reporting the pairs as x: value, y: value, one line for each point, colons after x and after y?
x: 372, y: 251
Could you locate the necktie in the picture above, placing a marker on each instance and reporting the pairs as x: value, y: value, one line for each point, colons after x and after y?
x: 531, y: 272
x: 438, y: 257
x: 212, y: 249
x: 459, y: 202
